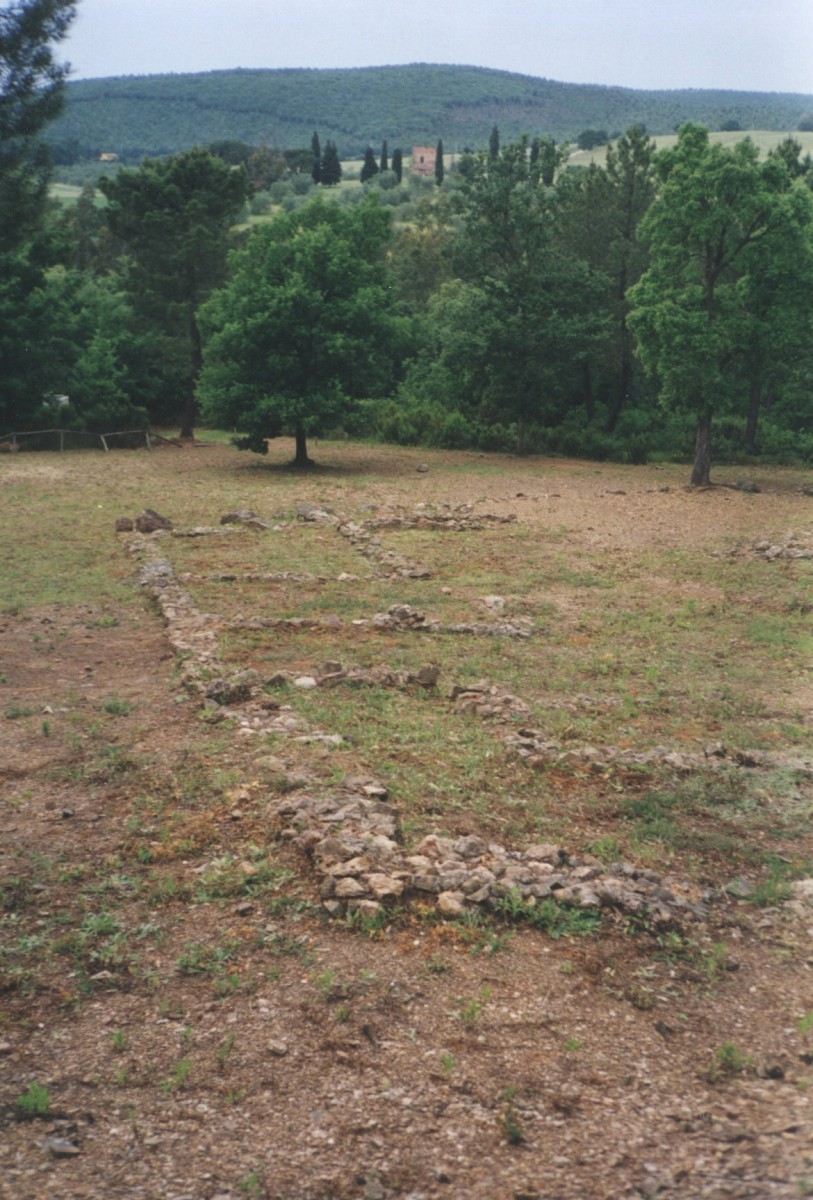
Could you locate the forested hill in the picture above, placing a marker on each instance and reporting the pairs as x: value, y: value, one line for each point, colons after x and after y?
x: 156, y: 114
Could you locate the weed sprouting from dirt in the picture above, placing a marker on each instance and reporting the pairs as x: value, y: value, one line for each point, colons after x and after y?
x: 34, y: 1102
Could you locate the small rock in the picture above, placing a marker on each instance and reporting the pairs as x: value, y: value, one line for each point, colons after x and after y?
x: 238, y: 517
x: 428, y: 676
x: 6, y: 1048
x: 374, y: 1189
x: 384, y: 887
x: 451, y: 904
x: 365, y: 908
x: 739, y: 889
x: 349, y: 889
x: 269, y: 762
x: 771, y: 1069
x: 305, y: 682
x: 124, y: 525
x: 422, y: 468
x: 244, y: 910
x: 278, y: 1049
x: 545, y: 852
x: 148, y: 521
x: 61, y: 1147
x: 222, y: 691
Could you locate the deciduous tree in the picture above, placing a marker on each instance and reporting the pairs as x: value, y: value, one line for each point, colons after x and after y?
x: 302, y: 328
x: 721, y: 226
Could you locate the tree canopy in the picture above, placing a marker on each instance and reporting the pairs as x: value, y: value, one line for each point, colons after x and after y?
x: 723, y: 225
x: 31, y: 96
x: 303, y: 327
x: 505, y: 337
x: 173, y: 216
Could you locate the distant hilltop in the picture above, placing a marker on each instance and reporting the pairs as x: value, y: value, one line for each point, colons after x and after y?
x: 417, y: 104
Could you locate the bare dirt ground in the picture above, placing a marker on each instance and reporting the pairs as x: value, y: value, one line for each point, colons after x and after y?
x: 202, y: 1040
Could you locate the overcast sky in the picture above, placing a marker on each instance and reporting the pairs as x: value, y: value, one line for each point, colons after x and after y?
x: 756, y: 45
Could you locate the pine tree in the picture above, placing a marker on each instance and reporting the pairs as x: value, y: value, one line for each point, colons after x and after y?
x: 384, y: 159
x: 370, y: 167
x: 31, y: 95
x: 174, y: 217
x: 439, y: 163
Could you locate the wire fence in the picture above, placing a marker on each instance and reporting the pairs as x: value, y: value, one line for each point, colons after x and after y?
x: 72, y: 439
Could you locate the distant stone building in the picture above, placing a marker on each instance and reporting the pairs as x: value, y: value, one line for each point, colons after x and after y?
x: 423, y: 160
x: 108, y: 156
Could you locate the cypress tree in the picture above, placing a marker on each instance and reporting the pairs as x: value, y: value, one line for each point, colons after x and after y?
x: 370, y: 167
x: 384, y: 159
x: 331, y: 168
x: 494, y: 143
x: 398, y: 163
x: 439, y: 163
x: 316, y: 147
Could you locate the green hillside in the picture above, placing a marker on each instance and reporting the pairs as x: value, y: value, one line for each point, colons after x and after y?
x: 155, y: 114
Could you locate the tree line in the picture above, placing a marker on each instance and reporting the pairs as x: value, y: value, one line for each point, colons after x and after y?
x: 660, y: 303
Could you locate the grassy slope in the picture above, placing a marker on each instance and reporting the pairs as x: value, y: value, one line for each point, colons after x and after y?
x: 764, y: 139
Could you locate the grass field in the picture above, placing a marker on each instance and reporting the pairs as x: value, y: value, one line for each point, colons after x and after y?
x: 647, y: 629
x: 763, y: 139
x: 178, y: 1015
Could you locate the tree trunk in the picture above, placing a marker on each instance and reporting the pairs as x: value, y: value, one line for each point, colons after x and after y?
x: 701, y: 468
x: 587, y: 390
x: 753, y: 418
x: 520, y: 436
x: 301, y: 456
x: 624, y: 381
x: 189, y: 418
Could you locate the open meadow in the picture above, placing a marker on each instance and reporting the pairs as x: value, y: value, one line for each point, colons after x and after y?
x: 442, y: 829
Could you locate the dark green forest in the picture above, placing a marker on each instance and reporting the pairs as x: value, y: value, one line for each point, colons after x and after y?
x: 659, y: 304
x: 407, y: 105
